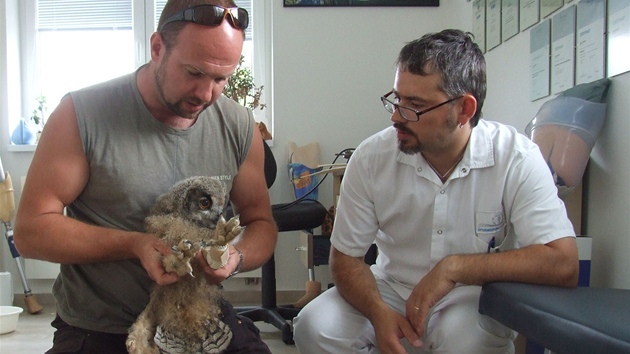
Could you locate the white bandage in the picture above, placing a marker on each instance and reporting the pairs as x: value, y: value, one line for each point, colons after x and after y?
x: 217, y: 256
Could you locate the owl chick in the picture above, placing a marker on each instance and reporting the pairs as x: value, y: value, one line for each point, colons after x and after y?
x: 185, y: 317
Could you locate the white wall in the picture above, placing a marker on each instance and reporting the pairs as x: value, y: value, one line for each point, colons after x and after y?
x: 330, y: 65
x: 607, y: 198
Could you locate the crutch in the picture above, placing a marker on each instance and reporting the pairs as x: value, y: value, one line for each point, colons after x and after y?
x: 7, y: 208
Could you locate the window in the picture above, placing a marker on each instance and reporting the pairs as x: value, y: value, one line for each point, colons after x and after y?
x: 80, y: 43
x: 70, y: 44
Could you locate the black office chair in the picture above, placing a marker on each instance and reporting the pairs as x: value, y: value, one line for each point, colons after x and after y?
x: 304, y: 215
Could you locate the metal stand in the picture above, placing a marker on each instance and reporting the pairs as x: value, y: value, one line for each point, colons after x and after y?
x: 7, y: 207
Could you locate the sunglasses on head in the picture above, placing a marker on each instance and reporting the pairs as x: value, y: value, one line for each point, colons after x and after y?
x: 211, y: 15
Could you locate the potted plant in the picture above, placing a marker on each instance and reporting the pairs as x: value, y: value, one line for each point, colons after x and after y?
x: 242, y: 89
x: 39, y: 114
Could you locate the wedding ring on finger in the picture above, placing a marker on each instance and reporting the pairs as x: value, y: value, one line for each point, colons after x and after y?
x: 417, y: 308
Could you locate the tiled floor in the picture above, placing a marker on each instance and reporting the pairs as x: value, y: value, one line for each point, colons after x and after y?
x: 34, y: 335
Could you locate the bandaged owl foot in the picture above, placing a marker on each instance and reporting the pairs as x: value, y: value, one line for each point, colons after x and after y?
x: 217, y: 251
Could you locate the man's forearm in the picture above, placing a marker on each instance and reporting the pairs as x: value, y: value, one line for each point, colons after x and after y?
x: 356, y: 283
x: 60, y: 239
x: 257, y: 244
x: 551, y: 264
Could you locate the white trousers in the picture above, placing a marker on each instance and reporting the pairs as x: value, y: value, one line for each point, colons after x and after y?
x: 328, y: 324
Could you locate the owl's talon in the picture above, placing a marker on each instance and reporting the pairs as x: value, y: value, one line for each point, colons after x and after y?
x: 225, y: 232
x: 234, y: 222
x: 179, y: 260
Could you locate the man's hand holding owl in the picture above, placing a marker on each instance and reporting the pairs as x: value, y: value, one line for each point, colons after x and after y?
x: 150, y: 250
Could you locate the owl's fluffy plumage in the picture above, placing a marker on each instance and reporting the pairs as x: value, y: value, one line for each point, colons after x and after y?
x: 185, y: 317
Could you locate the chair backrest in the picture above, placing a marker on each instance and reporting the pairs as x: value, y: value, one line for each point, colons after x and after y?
x: 271, y: 168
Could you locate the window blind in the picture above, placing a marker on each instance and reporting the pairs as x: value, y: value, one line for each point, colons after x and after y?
x: 56, y: 15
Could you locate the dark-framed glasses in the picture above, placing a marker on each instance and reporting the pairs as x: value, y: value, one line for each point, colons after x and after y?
x: 211, y: 15
x: 409, y: 114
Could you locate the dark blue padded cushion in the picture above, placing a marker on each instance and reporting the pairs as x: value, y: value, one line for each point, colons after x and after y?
x: 580, y: 320
x: 304, y: 215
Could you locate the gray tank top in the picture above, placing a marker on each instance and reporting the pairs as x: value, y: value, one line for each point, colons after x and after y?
x: 133, y: 158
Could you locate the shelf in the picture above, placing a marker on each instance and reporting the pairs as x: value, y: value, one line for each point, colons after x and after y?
x: 22, y: 148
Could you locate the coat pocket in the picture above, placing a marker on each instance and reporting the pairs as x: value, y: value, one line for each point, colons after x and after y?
x: 490, y: 229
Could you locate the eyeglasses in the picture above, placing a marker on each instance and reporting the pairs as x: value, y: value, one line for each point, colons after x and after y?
x: 406, y: 112
x: 211, y: 15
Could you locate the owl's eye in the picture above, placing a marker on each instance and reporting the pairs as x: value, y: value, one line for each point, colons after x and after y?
x: 205, y: 203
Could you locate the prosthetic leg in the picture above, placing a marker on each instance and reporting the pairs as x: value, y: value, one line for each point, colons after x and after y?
x: 310, y: 258
x: 312, y: 290
x: 7, y: 207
